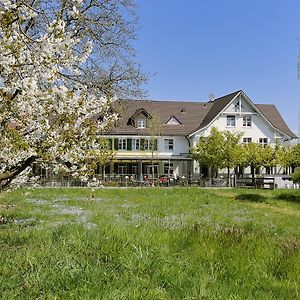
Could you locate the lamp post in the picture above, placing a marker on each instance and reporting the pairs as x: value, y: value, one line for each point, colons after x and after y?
x: 126, y: 180
x: 183, y: 179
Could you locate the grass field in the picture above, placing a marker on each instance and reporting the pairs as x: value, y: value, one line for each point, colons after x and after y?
x: 181, y: 243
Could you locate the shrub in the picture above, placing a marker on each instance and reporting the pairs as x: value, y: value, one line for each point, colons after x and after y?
x: 296, y: 175
x: 251, y: 197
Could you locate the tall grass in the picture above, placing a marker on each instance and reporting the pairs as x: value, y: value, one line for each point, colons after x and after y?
x: 149, y: 244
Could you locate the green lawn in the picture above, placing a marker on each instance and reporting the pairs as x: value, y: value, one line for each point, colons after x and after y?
x: 181, y: 243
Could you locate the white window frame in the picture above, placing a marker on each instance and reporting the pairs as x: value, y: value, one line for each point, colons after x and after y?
x: 169, y: 144
x: 141, y: 123
x: 136, y: 144
x: 122, y: 169
x: 122, y: 144
x: 231, y: 121
x: 247, y: 140
x: 263, y: 141
x: 247, y: 121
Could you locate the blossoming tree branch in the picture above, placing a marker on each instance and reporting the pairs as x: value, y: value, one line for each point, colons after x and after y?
x: 61, y: 64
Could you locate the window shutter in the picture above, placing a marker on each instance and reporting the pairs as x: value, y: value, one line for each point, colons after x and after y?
x: 110, y: 144
x: 129, y: 144
x: 116, y: 142
x: 142, y: 147
x: 155, y: 145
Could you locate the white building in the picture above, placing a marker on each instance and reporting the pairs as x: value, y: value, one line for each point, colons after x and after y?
x: 177, y: 128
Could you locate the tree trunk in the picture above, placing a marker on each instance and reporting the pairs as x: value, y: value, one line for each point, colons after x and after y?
x: 7, y: 177
x: 253, y: 173
x: 228, y: 176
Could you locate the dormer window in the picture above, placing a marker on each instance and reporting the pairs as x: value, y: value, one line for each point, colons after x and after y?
x: 141, y: 123
x: 139, y: 119
x: 173, y: 121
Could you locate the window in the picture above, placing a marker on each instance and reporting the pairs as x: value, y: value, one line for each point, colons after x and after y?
x: 168, y: 169
x: 247, y: 140
x: 122, y: 169
x: 168, y: 144
x: 247, y: 121
x: 146, y: 145
x: 237, y: 106
x: 141, y: 123
x: 136, y: 144
x: 122, y: 144
x: 230, y: 121
x: 263, y: 142
x: 149, y: 144
x: 173, y: 121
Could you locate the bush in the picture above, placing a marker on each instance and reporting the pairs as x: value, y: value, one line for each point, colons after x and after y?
x: 296, y: 175
x: 251, y: 197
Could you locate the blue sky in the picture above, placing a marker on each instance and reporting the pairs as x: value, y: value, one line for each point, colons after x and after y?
x: 193, y: 48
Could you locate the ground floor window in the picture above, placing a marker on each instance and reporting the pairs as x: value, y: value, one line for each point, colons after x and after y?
x: 263, y: 142
x: 122, y: 169
x: 247, y: 140
x: 168, y: 169
x: 151, y: 170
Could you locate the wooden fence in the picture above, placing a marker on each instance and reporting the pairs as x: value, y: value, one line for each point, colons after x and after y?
x: 256, y: 183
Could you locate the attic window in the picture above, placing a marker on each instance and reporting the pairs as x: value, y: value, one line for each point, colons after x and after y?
x: 173, y: 121
x: 237, y: 105
x: 141, y: 123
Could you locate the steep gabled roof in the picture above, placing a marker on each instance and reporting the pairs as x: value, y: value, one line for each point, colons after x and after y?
x: 218, y: 105
x: 193, y: 116
x: 272, y: 114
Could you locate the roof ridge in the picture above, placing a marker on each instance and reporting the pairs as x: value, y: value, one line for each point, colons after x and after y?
x: 165, y: 101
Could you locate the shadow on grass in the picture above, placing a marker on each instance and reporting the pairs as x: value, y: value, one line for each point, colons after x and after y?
x: 292, y: 197
x: 251, y: 198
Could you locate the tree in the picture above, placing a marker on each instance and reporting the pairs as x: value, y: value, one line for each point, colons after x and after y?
x: 296, y: 175
x: 209, y: 151
x: 296, y: 155
x: 219, y: 150
x: 258, y: 156
x: 289, y: 157
x: 61, y: 62
x: 154, y: 130
x: 233, y: 153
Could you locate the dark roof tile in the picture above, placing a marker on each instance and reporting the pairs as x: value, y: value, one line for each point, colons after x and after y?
x: 192, y: 115
x: 273, y: 115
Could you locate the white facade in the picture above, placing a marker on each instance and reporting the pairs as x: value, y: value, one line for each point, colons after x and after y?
x: 240, y: 115
x: 241, y: 108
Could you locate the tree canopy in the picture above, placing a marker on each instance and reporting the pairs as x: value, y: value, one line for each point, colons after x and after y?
x: 219, y: 150
x: 223, y: 150
x: 61, y: 63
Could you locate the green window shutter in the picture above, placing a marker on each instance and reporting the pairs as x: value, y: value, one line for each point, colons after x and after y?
x: 129, y: 144
x: 110, y: 145
x: 142, y: 147
x: 155, y: 145
x: 116, y: 142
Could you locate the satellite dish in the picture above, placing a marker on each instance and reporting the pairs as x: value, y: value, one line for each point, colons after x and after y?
x: 211, y: 97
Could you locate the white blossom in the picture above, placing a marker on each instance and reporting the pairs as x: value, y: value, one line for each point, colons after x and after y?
x: 43, y: 112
